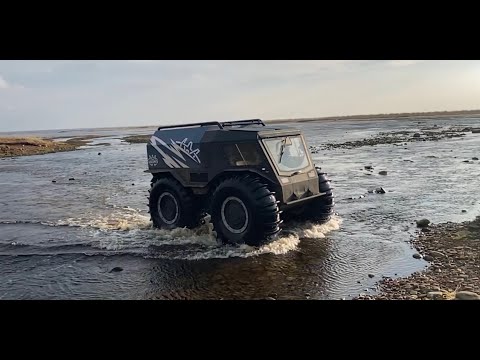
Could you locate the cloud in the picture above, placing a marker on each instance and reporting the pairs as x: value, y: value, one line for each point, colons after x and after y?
x: 399, y: 63
x: 3, y: 83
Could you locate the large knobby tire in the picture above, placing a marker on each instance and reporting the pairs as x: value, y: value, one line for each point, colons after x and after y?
x: 245, y: 211
x: 171, y: 206
x: 320, y: 210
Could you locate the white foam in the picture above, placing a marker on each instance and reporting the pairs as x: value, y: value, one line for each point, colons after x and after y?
x: 128, y: 229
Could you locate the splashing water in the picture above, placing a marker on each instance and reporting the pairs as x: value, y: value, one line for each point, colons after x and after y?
x: 130, y: 231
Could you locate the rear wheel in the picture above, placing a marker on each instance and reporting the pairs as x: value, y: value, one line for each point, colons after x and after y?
x: 171, y: 206
x: 244, y: 210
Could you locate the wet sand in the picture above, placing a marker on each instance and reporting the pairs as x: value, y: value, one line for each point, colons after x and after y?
x: 25, y: 146
x: 453, y: 253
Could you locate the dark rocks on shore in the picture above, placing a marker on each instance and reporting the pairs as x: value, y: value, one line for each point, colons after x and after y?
x: 270, y: 298
x: 368, y: 167
x: 383, y: 172
x: 436, y: 254
x: 476, y: 131
x: 380, y: 190
x: 99, y: 153
x: 464, y: 211
x: 416, y: 135
x: 54, y: 181
x: 467, y: 295
x: 423, y: 223
x: 71, y: 179
x: 417, y: 256
x: 371, y: 276
x: 435, y: 295
x: 116, y: 269
x: 475, y: 158
x: 428, y: 258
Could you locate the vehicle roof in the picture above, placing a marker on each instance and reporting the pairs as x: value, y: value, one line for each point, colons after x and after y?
x: 255, y: 125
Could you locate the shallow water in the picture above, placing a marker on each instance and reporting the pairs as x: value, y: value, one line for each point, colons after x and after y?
x: 61, y: 240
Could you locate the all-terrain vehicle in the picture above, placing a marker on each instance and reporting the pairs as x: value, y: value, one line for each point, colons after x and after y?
x: 249, y: 177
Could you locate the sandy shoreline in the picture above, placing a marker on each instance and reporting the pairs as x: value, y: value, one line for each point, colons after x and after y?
x: 453, y: 253
x: 26, y: 146
x: 385, y: 117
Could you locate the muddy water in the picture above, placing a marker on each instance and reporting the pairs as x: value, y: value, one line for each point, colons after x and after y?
x: 61, y: 240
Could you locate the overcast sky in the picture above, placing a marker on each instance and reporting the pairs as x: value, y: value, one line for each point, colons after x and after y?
x: 37, y: 95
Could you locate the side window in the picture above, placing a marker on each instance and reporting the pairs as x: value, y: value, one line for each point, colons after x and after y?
x: 246, y: 154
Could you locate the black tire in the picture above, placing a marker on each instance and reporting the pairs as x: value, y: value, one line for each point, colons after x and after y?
x: 171, y: 206
x: 319, y: 210
x: 244, y: 210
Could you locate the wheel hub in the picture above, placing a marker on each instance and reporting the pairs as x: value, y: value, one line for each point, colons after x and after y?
x: 234, y: 215
x: 168, y: 208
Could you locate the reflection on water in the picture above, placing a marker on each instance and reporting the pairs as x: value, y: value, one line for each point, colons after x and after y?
x: 61, y: 240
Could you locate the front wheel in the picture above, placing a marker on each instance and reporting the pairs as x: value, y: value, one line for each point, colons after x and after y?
x: 244, y: 210
x: 319, y: 210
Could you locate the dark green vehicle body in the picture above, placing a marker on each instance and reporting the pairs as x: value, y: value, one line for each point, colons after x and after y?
x: 199, y: 156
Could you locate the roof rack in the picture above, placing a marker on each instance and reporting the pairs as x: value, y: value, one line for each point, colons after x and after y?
x: 243, y: 122
x: 221, y: 125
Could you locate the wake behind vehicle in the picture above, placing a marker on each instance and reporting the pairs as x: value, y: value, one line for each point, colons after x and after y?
x: 249, y: 177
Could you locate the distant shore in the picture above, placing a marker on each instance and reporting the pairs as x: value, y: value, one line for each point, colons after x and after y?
x: 393, y: 116
x: 11, y: 146
x: 25, y: 146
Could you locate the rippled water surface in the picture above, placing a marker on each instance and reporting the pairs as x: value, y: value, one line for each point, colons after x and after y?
x: 61, y: 240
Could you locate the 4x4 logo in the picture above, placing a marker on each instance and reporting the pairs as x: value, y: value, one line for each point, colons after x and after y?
x: 182, y: 149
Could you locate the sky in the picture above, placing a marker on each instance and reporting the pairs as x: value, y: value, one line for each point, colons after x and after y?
x: 65, y: 94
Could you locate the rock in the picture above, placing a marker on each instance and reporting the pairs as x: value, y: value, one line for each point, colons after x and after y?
x: 467, y: 295
x: 413, y: 292
x: 416, y: 135
x: 476, y: 131
x: 435, y: 295
x: 474, y: 158
x: 133, y: 184
x: 423, y: 223
x: 436, y: 254
x: 116, y: 269
x: 54, y: 181
x: 428, y: 258
x: 371, y: 276
x: 417, y: 256
x: 383, y: 172
x: 273, y: 295
x: 307, y: 294
x: 466, y: 161
x: 99, y: 153
x: 379, y: 191
x: 358, y: 282
x: 71, y: 179
x: 368, y: 167
x: 269, y: 298
x: 464, y: 211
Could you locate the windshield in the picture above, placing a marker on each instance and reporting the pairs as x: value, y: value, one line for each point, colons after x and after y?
x: 288, y: 153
